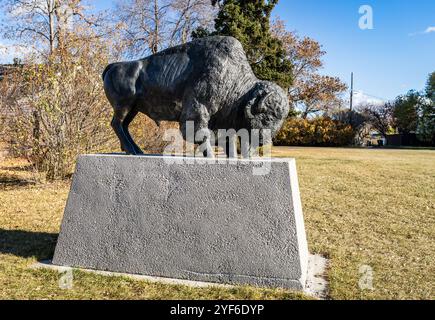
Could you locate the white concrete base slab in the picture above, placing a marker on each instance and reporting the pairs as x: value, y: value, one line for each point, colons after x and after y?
x: 316, y: 285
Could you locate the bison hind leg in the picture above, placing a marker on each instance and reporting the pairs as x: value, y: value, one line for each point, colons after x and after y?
x: 121, y: 129
x: 128, y: 119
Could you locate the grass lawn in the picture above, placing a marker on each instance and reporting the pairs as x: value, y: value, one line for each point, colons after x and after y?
x: 361, y: 207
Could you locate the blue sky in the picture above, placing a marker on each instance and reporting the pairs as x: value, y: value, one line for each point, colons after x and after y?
x: 389, y: 60
x: 394, y: 57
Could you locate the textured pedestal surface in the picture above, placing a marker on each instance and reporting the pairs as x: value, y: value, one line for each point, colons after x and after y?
x: 214, y: 222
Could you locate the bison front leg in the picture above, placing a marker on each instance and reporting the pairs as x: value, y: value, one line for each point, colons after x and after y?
x: 231, y: 147
x: 194, y: 126
x: 205, y: 138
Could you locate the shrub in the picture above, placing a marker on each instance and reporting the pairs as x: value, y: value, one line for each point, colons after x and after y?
x: 53, y: 112
x: 58, y: 111
x: 321, y: 131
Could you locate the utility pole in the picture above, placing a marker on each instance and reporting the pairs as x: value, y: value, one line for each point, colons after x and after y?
x: 351, y: 99
x: 351, y: 91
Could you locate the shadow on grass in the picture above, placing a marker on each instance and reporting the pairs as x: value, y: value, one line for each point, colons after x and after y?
x: 23, y: 168
x: 28, y: 244
x: 15, y: 181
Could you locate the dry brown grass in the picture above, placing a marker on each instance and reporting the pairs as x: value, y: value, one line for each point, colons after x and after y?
x: 371, y: 207
x: 362, y: 207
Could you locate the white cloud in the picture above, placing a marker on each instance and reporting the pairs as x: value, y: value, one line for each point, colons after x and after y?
x: 428, y: 30
x: 361, y: 99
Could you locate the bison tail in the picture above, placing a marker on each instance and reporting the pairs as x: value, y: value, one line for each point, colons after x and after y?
x: 106, y: 70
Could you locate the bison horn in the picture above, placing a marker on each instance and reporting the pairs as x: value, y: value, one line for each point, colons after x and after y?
x: 262, y: 106
x: 248, y: 112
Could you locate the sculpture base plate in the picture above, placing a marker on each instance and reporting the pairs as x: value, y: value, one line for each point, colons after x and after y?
x: 316, y: 284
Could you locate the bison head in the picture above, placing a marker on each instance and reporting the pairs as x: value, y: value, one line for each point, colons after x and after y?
x: 266, y: 108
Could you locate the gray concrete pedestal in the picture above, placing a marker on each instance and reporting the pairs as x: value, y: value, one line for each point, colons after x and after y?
x: 213, y: 221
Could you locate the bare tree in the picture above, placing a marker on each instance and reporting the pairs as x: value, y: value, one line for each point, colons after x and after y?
x: 44, y: 24
x: 35, y: 21
x: 143, y: 24
x: 380, y: 117
x: 153, y: 25
x: 189, y: 15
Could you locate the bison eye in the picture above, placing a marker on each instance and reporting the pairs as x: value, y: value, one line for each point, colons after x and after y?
x: 270, y: 101
x: 265, y: 122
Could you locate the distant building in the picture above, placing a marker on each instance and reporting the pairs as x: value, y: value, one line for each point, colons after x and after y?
x: 372, y: 138
x: 405, y: 140
x: 6, y: 69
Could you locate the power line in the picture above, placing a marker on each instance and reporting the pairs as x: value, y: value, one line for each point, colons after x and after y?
x: 371, y: 95
x: 353, y: 90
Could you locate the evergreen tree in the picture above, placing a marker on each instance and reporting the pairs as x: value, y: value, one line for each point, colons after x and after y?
x: 406, y: 112
x: 249, y: 22
x: 426, y: 125
x: 430, y: 87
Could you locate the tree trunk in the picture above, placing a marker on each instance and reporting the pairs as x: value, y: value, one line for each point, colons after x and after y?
x: 50, y: 7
